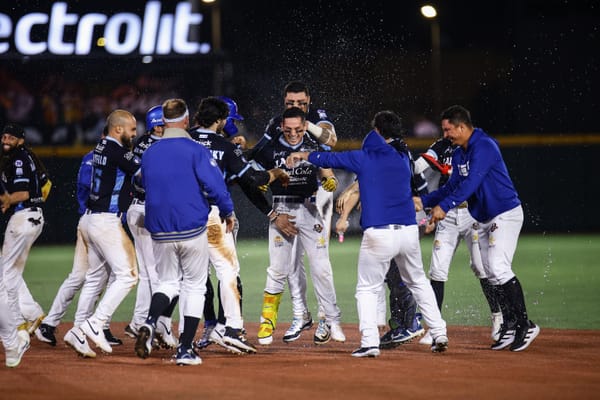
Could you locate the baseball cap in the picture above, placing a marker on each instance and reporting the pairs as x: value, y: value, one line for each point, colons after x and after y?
x: 14, y: 130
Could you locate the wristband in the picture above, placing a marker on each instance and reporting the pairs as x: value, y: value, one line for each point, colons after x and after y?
x: 273, y: 216
x: 315, y: 130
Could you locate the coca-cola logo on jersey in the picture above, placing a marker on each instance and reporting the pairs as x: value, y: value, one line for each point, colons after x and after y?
x: 63, y: 32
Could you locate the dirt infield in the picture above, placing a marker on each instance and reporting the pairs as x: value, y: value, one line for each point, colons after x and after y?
x: 561, y: 364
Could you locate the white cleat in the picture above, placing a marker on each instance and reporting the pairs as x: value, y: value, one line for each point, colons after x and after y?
x: 426, y: 339
x: 93, y: 330
x: 77, y: 341
x: 15, y: 355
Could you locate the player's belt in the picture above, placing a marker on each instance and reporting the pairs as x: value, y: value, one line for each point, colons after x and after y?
x: 34, y: 209
x: 138, y: 201
x: 464, y: 204
x: 389, y: 226
x: 294, y: 199
x: 118, y: 214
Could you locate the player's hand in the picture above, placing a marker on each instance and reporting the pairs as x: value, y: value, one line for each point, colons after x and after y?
x: 239, y: 141
x: 286, y: 225
x: 418, y: 203
x: 341, y: 226
x: 282, y: 176
x: 230, y: 223
x: 437, y: 214
x: 294, y: 158
x: 329, y: 184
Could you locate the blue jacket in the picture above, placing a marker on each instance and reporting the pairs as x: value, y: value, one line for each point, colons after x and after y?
x: 84, y: 181
x: 383, y: 177
x: 178, y: 175
x: 479, y: 176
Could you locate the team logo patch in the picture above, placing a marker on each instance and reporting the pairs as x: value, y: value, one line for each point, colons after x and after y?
x: 441, y: 226
x: 493, y: 227
x: 475, y: 225
x: 463, y: 169
x: 129, y: 155
x: 321, y: 243
x: 278, y: 241
x: 318, y: 228
x: 18, y: 163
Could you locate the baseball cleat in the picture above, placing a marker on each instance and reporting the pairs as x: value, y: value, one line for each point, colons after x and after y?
x: 94, y: 332
x: 187, y: 356
x: 337, y: 334
x: 235, y: 338
x: 164, y: 333
x: 440, y: 344
x: 45, y: 333
x: 496, y: 325
x: 507, y: 337
x: 366, y: 352
x: 15, y: 354
x: 205, y: 339
x: 77, y: 341
x: 298, y: 325
x: 524, y: 336
x: 143, y: 343
x: 111, y: 339
x: 322, y: 333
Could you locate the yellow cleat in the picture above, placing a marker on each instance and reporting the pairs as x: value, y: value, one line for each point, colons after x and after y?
x: 268, y: 317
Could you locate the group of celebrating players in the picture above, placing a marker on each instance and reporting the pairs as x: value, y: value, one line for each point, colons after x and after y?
x: 174, y: 200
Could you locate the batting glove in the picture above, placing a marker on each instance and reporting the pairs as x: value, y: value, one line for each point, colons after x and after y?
x: 329, y: 184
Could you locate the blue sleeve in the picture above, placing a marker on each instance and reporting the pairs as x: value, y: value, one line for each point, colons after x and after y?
x: 84, y: 182
x: 211, y: 180
x: 348, y: 160
x: 481, y: 161
x: 434, y: 198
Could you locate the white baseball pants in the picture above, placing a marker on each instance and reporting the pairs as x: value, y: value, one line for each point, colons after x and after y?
x: 377, y: 248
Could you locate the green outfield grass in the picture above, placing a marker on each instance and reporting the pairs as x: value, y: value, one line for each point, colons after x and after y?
x: 560, y: 275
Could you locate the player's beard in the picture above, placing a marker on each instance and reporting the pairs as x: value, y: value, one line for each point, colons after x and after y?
x: 7, y: 149
x: 127, y: 142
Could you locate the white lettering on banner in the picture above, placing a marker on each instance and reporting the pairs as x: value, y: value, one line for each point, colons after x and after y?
x: 124, y: 33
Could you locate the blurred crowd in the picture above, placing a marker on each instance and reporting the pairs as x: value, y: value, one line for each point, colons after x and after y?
x: 56, y: 109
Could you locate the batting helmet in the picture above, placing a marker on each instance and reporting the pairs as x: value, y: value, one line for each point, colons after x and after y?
x: 154, y: 117
x: 230, y: 127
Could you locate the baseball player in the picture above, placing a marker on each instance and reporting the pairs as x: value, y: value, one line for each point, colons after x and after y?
x: 109, y: 246
x: 23, y: 177
x: 457, y: 226
x: 74, y: 281
x: 389, y: 228
x: 211, y: 118
x: 143, y: 243
x: 481, y: 178
x: 296, y: 203
x: 404, y: 321
x: 321, y: 130
x: 179, y: 177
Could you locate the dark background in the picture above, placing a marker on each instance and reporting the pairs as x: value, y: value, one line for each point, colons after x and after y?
x: 525, y: 69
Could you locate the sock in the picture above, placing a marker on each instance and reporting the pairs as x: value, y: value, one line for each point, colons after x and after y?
x: 438, y: 289
x: 159, y: 303
x: 209, y: 302
x: 489, y: 291
x: 190, y: 324
x: 516, y: 301
x: 169, y: 310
